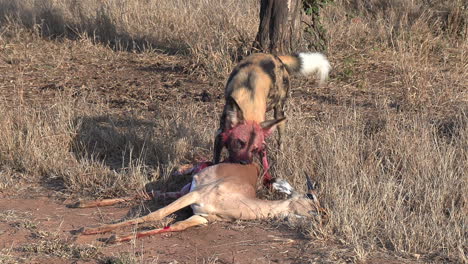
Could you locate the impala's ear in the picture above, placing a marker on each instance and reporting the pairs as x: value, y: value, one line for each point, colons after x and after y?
x: 311, y: 185
x: 283, y: 186
x: 234, y: 115
x: 270, y: 125
x: 311, y: 188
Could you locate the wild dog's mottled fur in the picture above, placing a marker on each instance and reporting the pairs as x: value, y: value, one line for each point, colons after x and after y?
x: 259, y: 83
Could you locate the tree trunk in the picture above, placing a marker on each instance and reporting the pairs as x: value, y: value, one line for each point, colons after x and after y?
x: 280, y: 30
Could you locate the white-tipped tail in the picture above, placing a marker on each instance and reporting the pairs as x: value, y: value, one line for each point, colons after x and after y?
x: 314, y: 62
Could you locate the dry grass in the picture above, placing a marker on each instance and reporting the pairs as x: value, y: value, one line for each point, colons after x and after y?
x: 387, y: 139
x: 92, y: 152
x: 398, y: 185
x: 50, y: 244
x: 6, y: 257
x: 59, y: 248
x: 212, y: 33
x: 46, y: 243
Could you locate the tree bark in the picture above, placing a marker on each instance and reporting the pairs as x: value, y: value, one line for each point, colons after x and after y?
x: 280, y: 29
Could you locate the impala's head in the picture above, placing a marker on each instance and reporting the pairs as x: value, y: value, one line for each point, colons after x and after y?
x: 244, y: 138
x: 301, y: 204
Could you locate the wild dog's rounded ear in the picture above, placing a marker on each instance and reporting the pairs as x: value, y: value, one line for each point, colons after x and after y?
x: 270, y: 125
x: 234, y: 115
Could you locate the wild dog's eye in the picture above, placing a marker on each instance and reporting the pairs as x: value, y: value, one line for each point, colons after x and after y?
x: 240, y: 143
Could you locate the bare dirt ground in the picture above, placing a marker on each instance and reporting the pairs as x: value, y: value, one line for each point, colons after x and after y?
x: 37, y: 227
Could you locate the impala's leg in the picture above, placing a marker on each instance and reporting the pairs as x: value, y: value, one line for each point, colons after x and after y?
x: 173, y: 195
x: 101, y: 203
x: 194, y: 220
x: 184, y: 170
x: 107, y: 202
x: 145, y: 196
x: 178, y: 204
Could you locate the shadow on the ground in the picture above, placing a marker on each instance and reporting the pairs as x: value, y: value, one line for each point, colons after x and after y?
x: 116, y: 142
x: 122, y: 142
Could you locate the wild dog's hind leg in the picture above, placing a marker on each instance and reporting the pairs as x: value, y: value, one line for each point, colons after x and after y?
x: 194, y: 220
x: 279, y: 113
x: 283, y: 87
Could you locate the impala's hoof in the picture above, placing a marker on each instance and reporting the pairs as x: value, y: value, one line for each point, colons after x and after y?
x: 112, y: 240
x: 75, y: 205
x: 84, y: 231
x: 88, y: 231
x: 77, y: 231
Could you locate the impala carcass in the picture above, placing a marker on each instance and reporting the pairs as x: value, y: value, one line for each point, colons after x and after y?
x: 222, y: 192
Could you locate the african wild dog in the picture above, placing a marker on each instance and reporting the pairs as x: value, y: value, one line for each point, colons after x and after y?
x: 259, y: 84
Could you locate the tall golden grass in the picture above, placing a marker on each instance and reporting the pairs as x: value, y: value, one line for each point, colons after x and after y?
x: 211, y: 32
x: 387, y: 139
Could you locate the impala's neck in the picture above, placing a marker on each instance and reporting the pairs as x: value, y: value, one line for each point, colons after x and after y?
x: 263, y: 209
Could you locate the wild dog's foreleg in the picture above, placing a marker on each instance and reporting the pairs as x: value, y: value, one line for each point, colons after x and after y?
x: 279, y: 113
x: 266, y: 167
x: 218, y: 147
x: 178, y: 204
x: 194, y: 220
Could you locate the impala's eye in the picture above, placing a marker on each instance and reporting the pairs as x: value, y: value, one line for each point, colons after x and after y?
x: 312, y: 196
